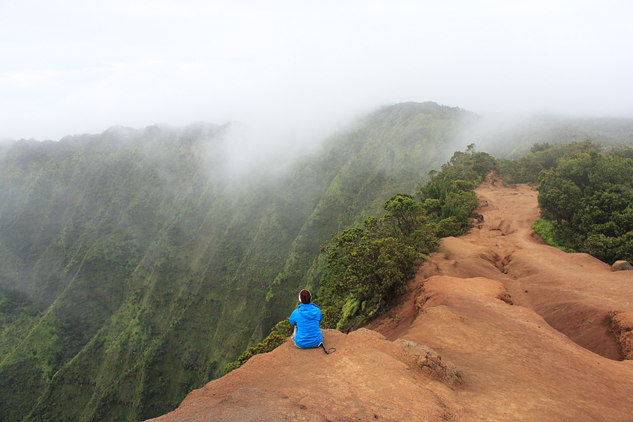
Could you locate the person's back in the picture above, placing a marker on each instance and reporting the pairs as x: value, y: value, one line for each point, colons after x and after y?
x: 306, y: 320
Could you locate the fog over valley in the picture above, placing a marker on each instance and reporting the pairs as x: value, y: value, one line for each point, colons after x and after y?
x: 292, y: 73
x: 173, y: 173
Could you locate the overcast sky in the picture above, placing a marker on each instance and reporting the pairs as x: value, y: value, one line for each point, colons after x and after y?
x: 69, y: 67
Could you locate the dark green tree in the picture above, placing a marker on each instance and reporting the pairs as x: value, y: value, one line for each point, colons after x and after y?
x: 588, y: 195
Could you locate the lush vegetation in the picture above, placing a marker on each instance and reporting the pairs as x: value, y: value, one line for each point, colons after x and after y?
x: 589, y: 196
x: 276, y: 338
x: 585, y: 196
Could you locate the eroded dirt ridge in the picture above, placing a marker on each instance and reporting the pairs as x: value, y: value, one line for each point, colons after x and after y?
x: 496, y: 326
x: 575, y: 293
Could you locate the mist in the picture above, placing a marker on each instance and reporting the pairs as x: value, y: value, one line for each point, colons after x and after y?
x: 290, y: 74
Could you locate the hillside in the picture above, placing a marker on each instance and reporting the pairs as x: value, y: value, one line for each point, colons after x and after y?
x: 136, y: 264
x: 514, y: 140
x: 496, y: 326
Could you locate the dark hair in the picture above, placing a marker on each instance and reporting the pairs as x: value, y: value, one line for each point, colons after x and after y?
x: 305, y: 297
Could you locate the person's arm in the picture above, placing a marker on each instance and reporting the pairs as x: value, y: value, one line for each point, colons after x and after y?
x: 294, y: 324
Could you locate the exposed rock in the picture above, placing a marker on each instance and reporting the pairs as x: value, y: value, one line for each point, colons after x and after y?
x: 621, y: 266
x: 622, y: 326
x: 505, y: 297
x: 477, y: 219
x: 430, y: 363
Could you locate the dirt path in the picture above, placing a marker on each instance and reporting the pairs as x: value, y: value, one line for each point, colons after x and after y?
x: 524, y: 332
x: 574, y: 293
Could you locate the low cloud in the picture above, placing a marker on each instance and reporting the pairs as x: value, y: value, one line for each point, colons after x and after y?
x: 300, y: 71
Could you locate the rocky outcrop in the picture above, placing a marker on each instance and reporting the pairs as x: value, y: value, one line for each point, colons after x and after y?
x: 622, y: 326
x: 621, y: 266
x: 430, y: 362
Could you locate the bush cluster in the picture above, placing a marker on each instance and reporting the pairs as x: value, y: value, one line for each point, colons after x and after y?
x: 280, y: 332
x: 589, y: 198
x: 367, y: 267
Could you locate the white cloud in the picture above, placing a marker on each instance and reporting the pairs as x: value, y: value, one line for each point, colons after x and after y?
x: 71, y: 67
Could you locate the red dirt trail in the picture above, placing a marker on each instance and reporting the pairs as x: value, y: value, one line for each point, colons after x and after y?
x: 496, y: 326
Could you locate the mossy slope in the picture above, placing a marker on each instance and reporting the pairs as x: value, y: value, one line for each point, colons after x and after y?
x: 134, y: 268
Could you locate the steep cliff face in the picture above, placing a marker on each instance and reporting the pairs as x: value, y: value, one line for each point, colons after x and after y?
x: 495, y: 326
x: 135, y: 265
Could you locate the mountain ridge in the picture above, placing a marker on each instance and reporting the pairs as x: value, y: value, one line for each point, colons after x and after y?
x: 471, y: 340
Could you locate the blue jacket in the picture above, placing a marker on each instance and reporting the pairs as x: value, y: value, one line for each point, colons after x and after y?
x: 307, y: 318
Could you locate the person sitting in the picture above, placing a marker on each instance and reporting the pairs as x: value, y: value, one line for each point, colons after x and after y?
x: 306, y: 320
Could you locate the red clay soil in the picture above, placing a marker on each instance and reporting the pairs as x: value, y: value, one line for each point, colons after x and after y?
x: 496, y: 326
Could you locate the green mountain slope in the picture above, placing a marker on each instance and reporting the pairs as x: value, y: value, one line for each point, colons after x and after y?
x: 133, y: 268
x: 516, y: 140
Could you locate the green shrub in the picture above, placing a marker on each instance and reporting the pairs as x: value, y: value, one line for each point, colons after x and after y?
x: 278, y: 335
x: 545, y: 229
x: 588, y: 196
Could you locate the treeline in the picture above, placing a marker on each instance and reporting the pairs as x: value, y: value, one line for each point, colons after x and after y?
x: 368, y: 266
x: 585, y: 196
